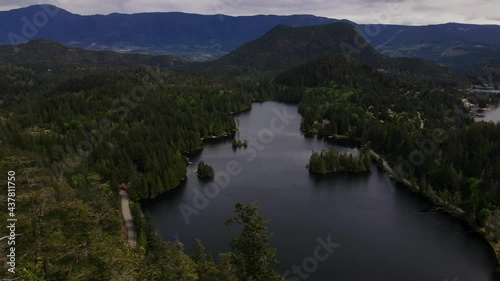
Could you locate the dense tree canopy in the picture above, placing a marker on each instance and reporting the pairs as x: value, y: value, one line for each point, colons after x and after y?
x: 76, y: 135
x: 205, y: 171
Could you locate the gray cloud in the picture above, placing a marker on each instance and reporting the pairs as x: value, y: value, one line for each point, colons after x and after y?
x: 413, y: 12
x: 495, y: 18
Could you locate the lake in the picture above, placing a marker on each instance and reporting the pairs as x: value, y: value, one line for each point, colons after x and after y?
x: 490, y: 115
x: 377, y: 230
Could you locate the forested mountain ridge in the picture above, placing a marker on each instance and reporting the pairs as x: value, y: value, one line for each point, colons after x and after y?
x: 76, y: 135
x: 353, y: 72
x: 207, y: 37
x: 286, y: 47
x: 192, y: 36
x: 456, y: 45
x: 53, y: 56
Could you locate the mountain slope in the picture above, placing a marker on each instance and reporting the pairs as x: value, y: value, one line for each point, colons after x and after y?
x: 455, y: 45
x: 207, y: 37
x: 284, y: 47
x: 355, y: 74
x: 441, y: 34
x: 60, y: 58
x: 189, y: 35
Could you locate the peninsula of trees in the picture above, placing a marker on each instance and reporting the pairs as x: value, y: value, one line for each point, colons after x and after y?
x: 332, y: 161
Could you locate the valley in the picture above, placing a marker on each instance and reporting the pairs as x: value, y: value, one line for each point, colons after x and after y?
x: 408, y: 190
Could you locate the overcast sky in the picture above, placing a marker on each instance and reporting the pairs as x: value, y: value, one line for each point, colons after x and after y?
x: 411, y: 12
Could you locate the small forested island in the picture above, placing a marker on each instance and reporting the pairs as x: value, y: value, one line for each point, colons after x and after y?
x: 239, y: 143
x: 205, y: 171
x: 332, y: 161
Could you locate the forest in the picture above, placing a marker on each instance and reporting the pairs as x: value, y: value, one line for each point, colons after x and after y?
x: 239, y: 143
x: 75, y: 135
x: 123, y: 125
x: 333, y: 161
x: 73, y: 138
x: 425, y: 131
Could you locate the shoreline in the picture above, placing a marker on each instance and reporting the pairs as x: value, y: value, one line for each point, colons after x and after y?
x: 454, y: 211
x: 479, y: 112
x: 441, y: 204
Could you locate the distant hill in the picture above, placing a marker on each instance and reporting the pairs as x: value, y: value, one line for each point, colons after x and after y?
x: 45, y: 55
x: 441, y: 34
x: 192, y: 36
x: 355, y: 74
x: 284, y: 48
x: 207, y: 37
x: 455, y: 45
x: 324, y: 69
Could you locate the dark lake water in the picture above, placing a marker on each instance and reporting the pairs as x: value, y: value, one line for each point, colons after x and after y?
x: 492, y: 115
x: 381, y: 231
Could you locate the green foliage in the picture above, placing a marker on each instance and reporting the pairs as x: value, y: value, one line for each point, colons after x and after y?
x: 205, y: 266
x: 398, y: 116
x: 251, y: 258
x: 284, y: 47
x: 68, y: 233
x: 53, y: 58
x: 93, y: 123
x: 97, y: 123
x: 168, y: 261
x: 239, y: 143
x: 332, y: 161
x: 139, y: 223
x: 205, y: 171
x: 251, y: 254
x: 32, y: 272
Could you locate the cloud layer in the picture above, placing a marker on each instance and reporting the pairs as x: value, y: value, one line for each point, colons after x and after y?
x: 411, y: 12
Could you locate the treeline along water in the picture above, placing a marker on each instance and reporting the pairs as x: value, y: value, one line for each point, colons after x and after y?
x: 385, y: 232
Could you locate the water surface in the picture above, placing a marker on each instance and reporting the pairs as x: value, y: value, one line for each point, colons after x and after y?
x: 385, y: 232
x: 490, y: 115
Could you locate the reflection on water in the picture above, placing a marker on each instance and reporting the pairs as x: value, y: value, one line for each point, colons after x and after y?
x: 385, y: 232
x: 491, y: 115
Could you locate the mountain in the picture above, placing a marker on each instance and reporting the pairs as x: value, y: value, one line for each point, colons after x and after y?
x: 455, y: 45
x: 207, y: 37
x: 324, y: 69
x: 191, y: 36
x: 442, y: 34
x: 60, y: 58
x: 279, y: 50
x: 355, y: 74
x: 285, y: 47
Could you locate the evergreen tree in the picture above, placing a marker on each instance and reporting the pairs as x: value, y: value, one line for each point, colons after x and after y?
x: 252, y: 256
